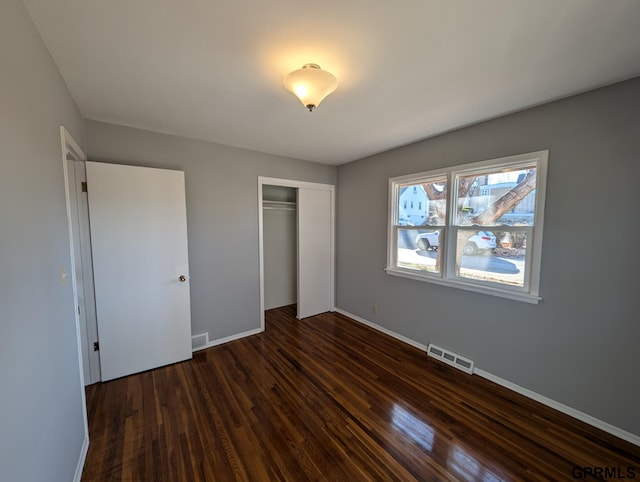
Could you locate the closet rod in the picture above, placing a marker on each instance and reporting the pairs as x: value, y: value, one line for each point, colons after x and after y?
x: 269, y: 208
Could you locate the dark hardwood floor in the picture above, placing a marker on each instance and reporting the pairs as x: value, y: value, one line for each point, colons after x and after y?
x: 329, y: 399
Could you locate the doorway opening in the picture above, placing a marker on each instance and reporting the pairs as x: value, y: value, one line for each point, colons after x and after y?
x: 279, y: 235
x: 296, y: 236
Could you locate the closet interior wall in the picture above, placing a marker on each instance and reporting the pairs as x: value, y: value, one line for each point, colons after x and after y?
x: 280, y: 245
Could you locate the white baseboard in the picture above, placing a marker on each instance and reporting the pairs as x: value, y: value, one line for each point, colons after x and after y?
x: 227, y: 339
x: 81, y: 459
x: 572, y: 412
x: 393, y: 334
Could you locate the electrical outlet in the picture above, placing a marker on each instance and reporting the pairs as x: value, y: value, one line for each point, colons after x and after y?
x: 374, y: 309
x: 63, y: 277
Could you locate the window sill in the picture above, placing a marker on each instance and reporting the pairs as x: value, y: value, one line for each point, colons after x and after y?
x: 511, y: 295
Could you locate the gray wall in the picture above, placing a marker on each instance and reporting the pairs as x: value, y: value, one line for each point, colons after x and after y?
x: 222, y: 214
x: 41, y: 411
x: 580, y: 345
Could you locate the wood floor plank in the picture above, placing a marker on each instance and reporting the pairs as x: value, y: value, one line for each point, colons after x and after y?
x: 329, y: 399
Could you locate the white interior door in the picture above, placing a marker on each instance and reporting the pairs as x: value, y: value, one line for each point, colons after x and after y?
x: 89, y: 305
x: 83, y: 271
x: 140, y: 262
x: 70, y: 173
x: 315, y: 248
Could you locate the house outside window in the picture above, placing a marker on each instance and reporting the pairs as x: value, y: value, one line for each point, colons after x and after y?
x: 480, y: 230
x: 413, y: 202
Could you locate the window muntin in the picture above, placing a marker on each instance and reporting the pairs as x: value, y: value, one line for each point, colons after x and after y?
x: 488, y: 233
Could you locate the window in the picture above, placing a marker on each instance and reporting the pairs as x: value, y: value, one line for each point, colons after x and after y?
x: 482, y: 227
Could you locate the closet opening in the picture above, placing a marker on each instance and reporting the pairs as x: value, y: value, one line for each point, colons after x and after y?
x: 279, y: 231
x: 296, y: 238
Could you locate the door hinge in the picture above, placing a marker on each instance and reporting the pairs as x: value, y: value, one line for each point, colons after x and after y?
x: 84, y: 186
x: 96, y: 346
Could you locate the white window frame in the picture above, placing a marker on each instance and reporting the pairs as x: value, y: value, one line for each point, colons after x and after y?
x: 447, y: 276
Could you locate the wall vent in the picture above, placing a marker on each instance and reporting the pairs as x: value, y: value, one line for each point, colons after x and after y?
x: 198, y: 342
x: 450, y: 358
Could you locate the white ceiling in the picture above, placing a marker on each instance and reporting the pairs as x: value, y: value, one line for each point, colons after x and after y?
x: 406, y: 69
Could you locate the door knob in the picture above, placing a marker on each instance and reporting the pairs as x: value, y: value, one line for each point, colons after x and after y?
x: 182, y: 278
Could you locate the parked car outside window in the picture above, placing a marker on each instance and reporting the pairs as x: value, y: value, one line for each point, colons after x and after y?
x: 481, y: 242
x: 428, y: 241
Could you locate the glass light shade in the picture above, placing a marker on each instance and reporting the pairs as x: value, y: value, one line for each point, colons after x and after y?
x: 310, y: 84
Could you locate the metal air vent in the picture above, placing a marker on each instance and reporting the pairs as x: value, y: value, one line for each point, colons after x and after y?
x: 450, y: 358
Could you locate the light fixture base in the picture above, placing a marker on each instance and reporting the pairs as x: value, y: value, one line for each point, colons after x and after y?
x: 310, y: 107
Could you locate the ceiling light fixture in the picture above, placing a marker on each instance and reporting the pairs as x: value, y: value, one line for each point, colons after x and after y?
x: 310, y: 84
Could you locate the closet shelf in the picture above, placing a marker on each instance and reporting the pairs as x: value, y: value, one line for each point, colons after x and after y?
x: 278, y: 205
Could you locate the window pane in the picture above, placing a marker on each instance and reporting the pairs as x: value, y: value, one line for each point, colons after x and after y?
x: 423, y: 203
x: 497, y: 198
x: 496, y: 256
x: 418, y: 249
